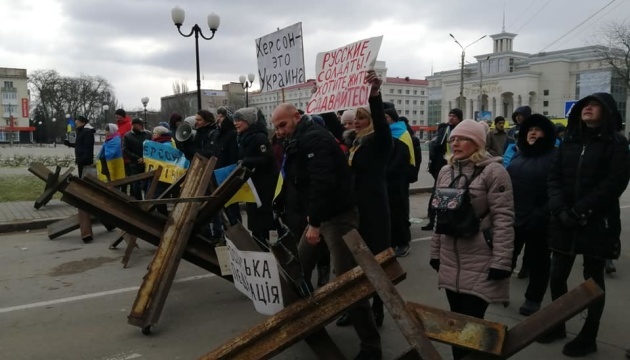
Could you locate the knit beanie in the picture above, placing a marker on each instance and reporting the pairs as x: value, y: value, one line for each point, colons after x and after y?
x: 165, y: 124
x: 160, y: 130
x: 225, y: 111
x: 472, y: 130
x: 246, y: 114
x: 112, y: 128
x: 458, y: 113
x: 347, y: 115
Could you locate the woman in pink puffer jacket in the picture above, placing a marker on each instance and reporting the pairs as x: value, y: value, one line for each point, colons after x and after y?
x: 475, y: 271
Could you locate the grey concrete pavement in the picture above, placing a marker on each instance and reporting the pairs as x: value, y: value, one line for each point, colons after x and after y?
x: 63, y: 299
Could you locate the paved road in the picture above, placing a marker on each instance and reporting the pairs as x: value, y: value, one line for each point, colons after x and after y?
x: 62, y: 299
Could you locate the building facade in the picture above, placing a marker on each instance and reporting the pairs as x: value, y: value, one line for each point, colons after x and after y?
x: 15, y: 126
x: 408, y: 95
x: 505, y: 79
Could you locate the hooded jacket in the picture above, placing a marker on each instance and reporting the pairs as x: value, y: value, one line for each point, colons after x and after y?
x: 529, y: 170
x: 84, y: 145
x: 465, y: 262
x: 589, y: 174
x: 512, y: 134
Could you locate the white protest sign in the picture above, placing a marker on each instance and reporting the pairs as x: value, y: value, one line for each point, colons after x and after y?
x: 256, y: 275
x: 223, y: 255
x: 281, y: 58
x: 341, y: 76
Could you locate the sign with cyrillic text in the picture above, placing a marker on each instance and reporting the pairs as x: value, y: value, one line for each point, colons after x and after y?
x: 281, y: 58
x: 171, y: 159
x: 256, y: 275
x: 341, y: 76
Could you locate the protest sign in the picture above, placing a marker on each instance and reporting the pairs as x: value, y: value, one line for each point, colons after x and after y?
x: 281, y: 58
x: 256, y: 275
x: 341, y: 76
x: 172, y: 161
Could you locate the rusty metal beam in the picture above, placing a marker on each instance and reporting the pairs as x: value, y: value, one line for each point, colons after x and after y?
x: 307, y: 315
x: 63, y: 227
x: 545, y: 319
x: 411, y: 328
x: 53, y: 183
x: 461, y: 330
x: 153, y: 292
x: 130, y: 179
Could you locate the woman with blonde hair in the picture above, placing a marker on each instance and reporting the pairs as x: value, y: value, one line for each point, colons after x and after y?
x: 474, y: 263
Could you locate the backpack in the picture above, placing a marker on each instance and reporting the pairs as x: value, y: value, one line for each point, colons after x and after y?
x: 455, y: 215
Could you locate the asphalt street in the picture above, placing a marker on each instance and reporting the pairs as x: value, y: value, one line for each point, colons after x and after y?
x: 63, y: 299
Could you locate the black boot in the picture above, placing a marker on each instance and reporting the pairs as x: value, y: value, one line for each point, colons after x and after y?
x: 428, y: 227
x: 323, y: 275
x: 377, y: 310
x: 554, y: 334
x: 585, y: 342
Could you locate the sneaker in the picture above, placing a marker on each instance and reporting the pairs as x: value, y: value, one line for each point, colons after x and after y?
x: 529, y: 307
x: 610, y: 267
x: 401, y: 251
x: 369, y: 355
x: 579, y: 347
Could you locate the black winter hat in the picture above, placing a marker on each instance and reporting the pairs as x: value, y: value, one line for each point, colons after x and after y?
x: 120, y: 112
x: 458, y: 113
x: 82, y: 119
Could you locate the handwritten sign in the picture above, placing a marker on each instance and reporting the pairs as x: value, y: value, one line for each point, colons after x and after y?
x: 281, y: 58
x: 256, y: 275
x: 341, y: 76
x: 172, y: 161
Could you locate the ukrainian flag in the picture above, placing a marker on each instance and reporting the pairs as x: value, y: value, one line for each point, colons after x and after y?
x: 70, y: 125
x: 399, y: 131
x: 247, y: 193
x: 280, y: 182
x: 110, y: 155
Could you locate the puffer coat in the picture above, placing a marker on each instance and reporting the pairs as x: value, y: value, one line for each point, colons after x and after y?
x: 465, y: 262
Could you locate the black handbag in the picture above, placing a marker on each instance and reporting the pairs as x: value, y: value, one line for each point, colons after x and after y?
x: 455, y: 215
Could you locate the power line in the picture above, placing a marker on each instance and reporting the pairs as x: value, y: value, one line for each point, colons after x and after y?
x: 578, y: 25
x: 533, y: 16
x: 603, y: 15
x: 522, y: 13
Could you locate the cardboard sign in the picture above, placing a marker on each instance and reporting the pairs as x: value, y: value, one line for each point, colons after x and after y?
x: 341, y: 76
x: 280, y: 58
x: 172, y: 161
x: 256, y: 275
x: 223, y: 255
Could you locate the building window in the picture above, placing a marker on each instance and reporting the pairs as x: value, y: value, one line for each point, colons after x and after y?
x: 421, y: 112
x: 406, y: 112
x: 399, y: 112
x: 407, y: 102
x: 545, y: 103
x: 415, y: 112
x: 399, y: 102
x: 546, y: 92
x: 422, y: 92
x: 391, y: 91
x: 399, y: 91
x: 8, y: 84
x: 407, y: 92
x: 545, y: 113
x: 415, y: 92
x: 391, y: 101
x: 414, y: 122
x: 422, y: 102
x: 415, y: 102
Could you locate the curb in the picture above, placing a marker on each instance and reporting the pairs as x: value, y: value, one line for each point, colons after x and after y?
x: 36, y: 224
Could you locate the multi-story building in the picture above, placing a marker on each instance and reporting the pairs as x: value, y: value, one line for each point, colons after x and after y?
x: 408, y: 95
x: 231, y: 95
x: 505, y: 79
x: 15, y: 126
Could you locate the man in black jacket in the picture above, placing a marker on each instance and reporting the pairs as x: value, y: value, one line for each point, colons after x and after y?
x: 133, y: 149
x: 438, y: 148
x: 83, y: 145
x: 318, y: 179
x: 205, y: 124
x: 589, y: 174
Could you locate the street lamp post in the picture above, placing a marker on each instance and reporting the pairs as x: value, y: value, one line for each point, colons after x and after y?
x: 247, y: 84
x: 105, y: 108
x: 178, y: 15
x: 481, y: 83
x: 145, y: 101
x: 461, y: 75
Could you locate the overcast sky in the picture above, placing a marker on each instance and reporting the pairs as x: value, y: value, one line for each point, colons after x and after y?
x: 135, y: 46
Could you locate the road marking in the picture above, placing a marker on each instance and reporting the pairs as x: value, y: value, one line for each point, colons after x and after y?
x: 91, y: 296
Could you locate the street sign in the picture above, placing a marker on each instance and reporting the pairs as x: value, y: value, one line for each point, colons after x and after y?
x: 568, y: 105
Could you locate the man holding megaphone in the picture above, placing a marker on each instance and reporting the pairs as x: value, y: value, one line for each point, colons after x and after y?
x: 196, y: 139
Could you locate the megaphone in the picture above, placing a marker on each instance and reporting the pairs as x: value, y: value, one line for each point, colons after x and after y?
x: 186, y: 131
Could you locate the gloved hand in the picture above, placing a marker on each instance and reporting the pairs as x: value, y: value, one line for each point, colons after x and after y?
x: 498, y: 274
x: 568, y: 218
x: 435, y: 264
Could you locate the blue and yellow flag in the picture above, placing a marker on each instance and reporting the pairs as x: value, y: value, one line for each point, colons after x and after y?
x: 171, y: 159
x: 399, y: 131
x: 247, y: 193
x: 70, y: 125
x: 111, y: 156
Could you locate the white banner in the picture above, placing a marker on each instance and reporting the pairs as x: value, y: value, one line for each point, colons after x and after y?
x: 281, y: 58
x: 256, y: 275
x: 341, y: 76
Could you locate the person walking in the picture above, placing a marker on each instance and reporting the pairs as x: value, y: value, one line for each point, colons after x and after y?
x: 475, y: 270
x: 588, y: 176
x: 528, y: 171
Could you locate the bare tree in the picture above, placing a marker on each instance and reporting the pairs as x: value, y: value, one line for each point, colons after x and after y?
x: 58, y: 95
x: 179, y: 103
x: 615, y: 37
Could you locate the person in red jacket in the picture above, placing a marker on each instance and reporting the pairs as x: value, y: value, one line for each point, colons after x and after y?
x: 123, y: 121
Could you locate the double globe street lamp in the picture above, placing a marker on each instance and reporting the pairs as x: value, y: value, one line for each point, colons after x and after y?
x: 247, y: 84
x: 178, y: 15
